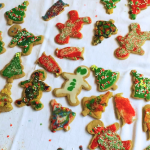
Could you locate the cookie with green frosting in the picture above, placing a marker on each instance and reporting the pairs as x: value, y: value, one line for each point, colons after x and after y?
x: 2, y: 49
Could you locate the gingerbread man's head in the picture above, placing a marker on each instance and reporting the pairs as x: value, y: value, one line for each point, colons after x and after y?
x: 83, y: 71
x: 13, y: 30
x: 39, y: 75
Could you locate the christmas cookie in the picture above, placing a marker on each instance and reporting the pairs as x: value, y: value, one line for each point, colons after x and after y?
x: 141, y: 86
x: 14, y: 69
x: 71, y: 28
x: 148, y: 148
x: 106, y: 79
x: 95, y: 105
x: 73, y: 85
x: 49, y: 63
x: 124, y: 109
x: 17, y: 14
x: 73, y: 53
x: 5, y: 99
x: 2, y: 5
x: 61, y: 117
x: 104, y: 29
x: 2, y: 49
x: 24, y: 39
x: 137, y: 6
x: 110, y: 5
x: 132, y: 42
x: 55, y: 10
x: 106, y: 138
x: 33, y: 89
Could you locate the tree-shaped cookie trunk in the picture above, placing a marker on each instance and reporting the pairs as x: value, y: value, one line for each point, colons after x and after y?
x: 61, y: 117
x: 2, y: 5
x: 14, y: 69
x: 124, y: 109
x: 110, y: 5
x: 17, y: 14
x: 95, y: 105
x: 137, y: 6
x: 5, y: 99
x: 106, y: 138
x: 49, y: 63
x: 2, y: 49
x: 106, y: 79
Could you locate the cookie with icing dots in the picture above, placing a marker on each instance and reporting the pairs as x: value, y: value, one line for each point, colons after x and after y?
x: 24, y: 39
x: 55, y: 10
x: 106, y: 137
x: 132, y: 42
x: 71, y: 28
x: 74, y: 82
x: 2, y: 5
x: 17, y: 14
x: 95, y: 105
x: 2, y: 49
x: 61, y: 117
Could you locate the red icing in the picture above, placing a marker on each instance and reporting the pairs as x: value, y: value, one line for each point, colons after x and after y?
x: 125, y: 109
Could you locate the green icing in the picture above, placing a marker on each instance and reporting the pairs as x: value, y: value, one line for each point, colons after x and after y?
x: 82, y: 71
x: 73, y: 83
x: 110, y: 4
x: 105, y: 78
x: 133, y: 16
x: 141, y: 85
x: 148, y: 148
x: 1, y: 46
x: 17, y: 13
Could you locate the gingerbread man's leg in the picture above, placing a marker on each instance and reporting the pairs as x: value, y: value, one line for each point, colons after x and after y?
x: 27, y: 49
x: 37, y: 105
x: 76, y: 35
x: 139, y: 51
x: 73, y: 98
x: 19, y: 103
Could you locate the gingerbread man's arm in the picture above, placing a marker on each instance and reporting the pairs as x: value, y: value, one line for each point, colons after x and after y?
x: 86, y: 85
x: 44, y: 87
x: 60, y: 26
x: 66, y: 75
x: 121, y: 39
x: 25, y: 83
x: 114, y: 127
x: 13, y: 42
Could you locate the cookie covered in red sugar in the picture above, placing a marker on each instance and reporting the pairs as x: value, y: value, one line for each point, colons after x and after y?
x: 71, y: 28
x: 124, y: 109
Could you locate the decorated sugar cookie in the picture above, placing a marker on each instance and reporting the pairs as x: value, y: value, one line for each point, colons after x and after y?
x: 110, y: 5
x: 104, y: 29
x: 106, y: 138
x: 33, y: 89
x: 17, y: 14
x: 74, y: 53
x: 106, y: 79
x: 95, y: 105
x: 24, y: 39
x: 61, y: 117
x: 49, y: 63
x: 5, y: 99
x: 124, y: 109
x: 2, y: 49
x: 141, y: 86
x: 148, y: 148
x: 55, y: 10
x: 73, y: 85
x: 132, y: 42
x: 136, y: 7
x: 2, y: 5
x: 14, y: 69
x: 71, y: 28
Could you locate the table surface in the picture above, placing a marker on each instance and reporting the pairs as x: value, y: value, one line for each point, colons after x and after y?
x: 26, y: 132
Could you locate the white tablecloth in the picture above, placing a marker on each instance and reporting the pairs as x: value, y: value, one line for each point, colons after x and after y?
x: 26, y: 132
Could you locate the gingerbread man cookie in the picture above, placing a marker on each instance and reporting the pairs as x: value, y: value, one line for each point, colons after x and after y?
x: 2, y: 5
x: 71, y: 28
x: 106, y: 138
x: 24, y: 39
x: 61, y: 117
x: 95, y: 105
x: 132, y: 42
x: 33, y: 89
x: 2, y: 49
x: 73, y: 85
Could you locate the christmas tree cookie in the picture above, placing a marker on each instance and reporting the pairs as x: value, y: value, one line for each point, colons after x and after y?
x: 2, y: 49
x: 104, y: 29
x: 141, y: 86
x: 73, y: 53
x: 17, y: 14
x: 132, y: 42
x: 2, y: 5
x: 14, y: 69
x: 95, y: 105
x: 33, y: 89
x: 110, y: 5
x: 73, y: 85
x: 137, y: 6
x: 124, y: 109
x: 49, y: 63
x: 5, y: 99
x: 24, y: 39
x: 106, y: 138
x: 55, y: 10
x: 61, y: 117
x: 71, y: 28
x: 106, y: 79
